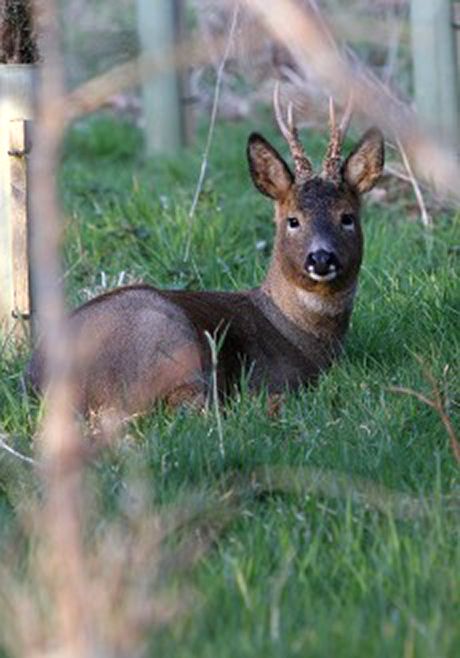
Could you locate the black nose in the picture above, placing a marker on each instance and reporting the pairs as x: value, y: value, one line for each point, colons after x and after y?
x: 321, y: 262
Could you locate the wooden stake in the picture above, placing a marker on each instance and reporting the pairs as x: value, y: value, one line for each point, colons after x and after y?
x: 435, y: 70
x: 158, y: 26
x: 19, y: 147
x: 17, y: 82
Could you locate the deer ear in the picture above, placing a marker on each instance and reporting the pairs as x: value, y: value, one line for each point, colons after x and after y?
x: 270, y: 173
x: 364, y: 165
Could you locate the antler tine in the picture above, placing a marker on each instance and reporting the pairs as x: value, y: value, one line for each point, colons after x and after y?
x: 290, y: 117
x: 278, y: 114
x: 332, y: 121
x: 332, y: 160
x: 303, y: 166
x: 335, y: 141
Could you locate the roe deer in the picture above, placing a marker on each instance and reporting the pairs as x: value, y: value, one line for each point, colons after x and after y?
x: 148, y: 344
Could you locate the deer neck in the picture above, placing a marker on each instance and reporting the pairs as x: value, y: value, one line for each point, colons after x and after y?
x: 305, y: 314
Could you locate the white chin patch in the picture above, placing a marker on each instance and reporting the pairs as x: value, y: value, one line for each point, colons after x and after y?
x: 322, y: 277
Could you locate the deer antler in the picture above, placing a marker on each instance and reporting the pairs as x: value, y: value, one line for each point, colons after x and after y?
x: 333, y: 158
x: 303, y: 166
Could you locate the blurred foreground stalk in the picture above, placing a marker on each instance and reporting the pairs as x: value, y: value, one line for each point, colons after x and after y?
x: 61, y: 561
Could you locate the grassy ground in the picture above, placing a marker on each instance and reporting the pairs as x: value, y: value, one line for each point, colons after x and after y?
x: 342, y: 534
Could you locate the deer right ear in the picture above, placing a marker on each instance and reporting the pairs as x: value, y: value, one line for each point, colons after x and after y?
x: 364, y: 166
x: 270, y: 173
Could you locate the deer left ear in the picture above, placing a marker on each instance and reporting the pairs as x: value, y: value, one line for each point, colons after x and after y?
x: 364, y: 165
x: 269, y: 172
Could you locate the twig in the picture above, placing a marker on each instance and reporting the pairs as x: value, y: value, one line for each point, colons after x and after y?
x: 436, y: 403
x: 14, y: 452
x: 212, y: 123
x: 425, y: 217
x: 93, y: 94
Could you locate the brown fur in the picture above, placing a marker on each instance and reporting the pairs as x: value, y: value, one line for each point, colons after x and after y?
x: 137, y: 345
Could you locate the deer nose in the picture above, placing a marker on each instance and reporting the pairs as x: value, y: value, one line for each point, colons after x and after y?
x: 321, y: 262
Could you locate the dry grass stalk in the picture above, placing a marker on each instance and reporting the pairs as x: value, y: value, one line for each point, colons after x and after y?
x: 396, y: 170
x: 437, y: 403
x: 212, y: 123
x: 4, y: 445
x: 214, y: 348
x: 425, y: 217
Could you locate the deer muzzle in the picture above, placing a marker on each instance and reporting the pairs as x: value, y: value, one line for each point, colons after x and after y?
x: 322, y: 265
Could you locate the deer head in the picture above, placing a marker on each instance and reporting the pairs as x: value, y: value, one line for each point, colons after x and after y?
x: 319, y: 241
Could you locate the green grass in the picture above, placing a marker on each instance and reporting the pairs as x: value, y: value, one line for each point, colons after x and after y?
x: 298, y: 569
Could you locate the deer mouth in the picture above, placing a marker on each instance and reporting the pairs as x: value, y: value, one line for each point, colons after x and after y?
x: 330, y: 275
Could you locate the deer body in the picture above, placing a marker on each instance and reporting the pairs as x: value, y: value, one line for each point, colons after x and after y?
x: 140, y: 345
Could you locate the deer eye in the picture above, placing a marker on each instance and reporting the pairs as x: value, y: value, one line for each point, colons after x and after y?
x: 347, y: 221
x: 293, y: 222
